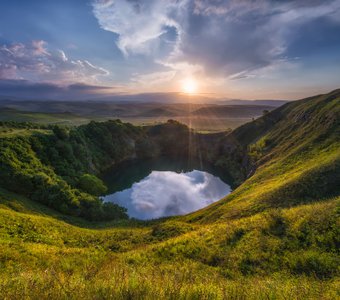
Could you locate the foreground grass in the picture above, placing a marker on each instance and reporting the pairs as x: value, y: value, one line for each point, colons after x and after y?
x: 125, y: 283
x: 281, y: 254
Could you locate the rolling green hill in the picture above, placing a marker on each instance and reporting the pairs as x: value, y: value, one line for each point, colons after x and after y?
x: 275, y: 237
x: 295, y: 151
x: 199, y: 116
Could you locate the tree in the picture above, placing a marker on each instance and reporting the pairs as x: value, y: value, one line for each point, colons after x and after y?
x: 60, y: 132
x: 92, y: 185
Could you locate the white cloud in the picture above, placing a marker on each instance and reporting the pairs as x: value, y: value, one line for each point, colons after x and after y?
x: 223, y: 37
x: 165, y: 193
x: 36, y: 62
x: 139, y: 24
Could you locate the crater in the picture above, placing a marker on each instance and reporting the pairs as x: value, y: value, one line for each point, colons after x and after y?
x: 160, y: 188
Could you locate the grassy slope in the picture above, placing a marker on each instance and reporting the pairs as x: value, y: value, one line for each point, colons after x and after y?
x: 15, y: 132
x: 44, y: 118
x: 265, y: 236
x: 296, y: 148
x: 43, y: 257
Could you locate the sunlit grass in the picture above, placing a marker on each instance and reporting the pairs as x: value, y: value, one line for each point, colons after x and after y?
x: 42, y: 257
x: 275, y: 237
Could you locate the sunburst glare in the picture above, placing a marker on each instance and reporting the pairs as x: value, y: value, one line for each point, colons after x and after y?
x: 189, y: 86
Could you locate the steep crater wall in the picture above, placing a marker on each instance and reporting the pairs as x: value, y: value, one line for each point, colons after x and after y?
x: 59, y: 168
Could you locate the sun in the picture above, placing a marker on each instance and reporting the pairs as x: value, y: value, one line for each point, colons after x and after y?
x: 189, y: 86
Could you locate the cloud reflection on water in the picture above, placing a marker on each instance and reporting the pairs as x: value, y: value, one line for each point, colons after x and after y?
x: 166, y: 193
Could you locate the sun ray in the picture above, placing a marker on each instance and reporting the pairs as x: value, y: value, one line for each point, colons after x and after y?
x: 189, y: 86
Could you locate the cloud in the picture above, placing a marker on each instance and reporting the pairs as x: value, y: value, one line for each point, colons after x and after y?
x: 36, y: 62
x: 224, y: 37
x: 229, y: 37
x: 39, y: 48
x: 139, y: 24
x: 165, y: 193
x: 42, y: 91
x: 155, y: 78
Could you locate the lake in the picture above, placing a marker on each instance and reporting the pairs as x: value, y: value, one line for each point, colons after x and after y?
x: 151, y: 189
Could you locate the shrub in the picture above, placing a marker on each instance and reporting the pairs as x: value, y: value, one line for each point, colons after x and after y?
x: 92, y: 185
x: 311, y: 262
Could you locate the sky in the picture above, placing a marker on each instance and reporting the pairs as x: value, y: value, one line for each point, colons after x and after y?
x: 238, y: 49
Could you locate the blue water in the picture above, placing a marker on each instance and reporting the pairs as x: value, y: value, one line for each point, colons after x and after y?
x: 169, y: 193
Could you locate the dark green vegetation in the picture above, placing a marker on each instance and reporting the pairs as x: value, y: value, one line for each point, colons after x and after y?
x: 124, y: 175
x: 57, y: 166
x: 52, y: 167
x: 275, y: 237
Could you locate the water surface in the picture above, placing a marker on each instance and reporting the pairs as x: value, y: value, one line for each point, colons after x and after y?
x: 160, y: 188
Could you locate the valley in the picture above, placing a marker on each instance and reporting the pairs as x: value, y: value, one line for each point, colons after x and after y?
x: 277, y: 232
x: 201, y: 117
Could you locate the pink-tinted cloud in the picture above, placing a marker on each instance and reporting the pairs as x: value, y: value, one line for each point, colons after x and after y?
x: 36, y: 62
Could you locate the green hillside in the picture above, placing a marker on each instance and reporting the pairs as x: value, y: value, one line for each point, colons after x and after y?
x: 276, y: 236
x: 295, y: 151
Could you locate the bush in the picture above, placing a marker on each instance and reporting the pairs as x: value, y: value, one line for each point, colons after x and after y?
x: 113, y: 211
x: 60, y: 132
x: 321, y: 265
x: 92, y: 185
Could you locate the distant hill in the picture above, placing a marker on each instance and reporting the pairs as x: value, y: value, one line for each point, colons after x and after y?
x: 160, y: 112
x: 160, y: 98
x: 201, y: 116
x: 274, y: 103
x: 233, y: 111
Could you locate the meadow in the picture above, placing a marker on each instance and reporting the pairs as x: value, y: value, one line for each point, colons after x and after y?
x: 275, y: 237
x: 201, y: 117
